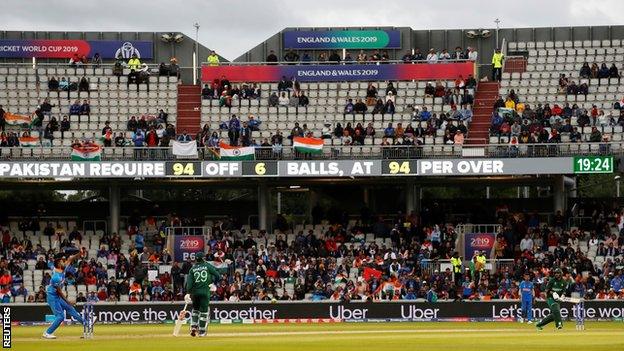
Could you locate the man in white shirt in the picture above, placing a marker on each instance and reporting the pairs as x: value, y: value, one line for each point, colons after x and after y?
x: 472, y: 54
x: 432, y: 57
x: 526, y: 243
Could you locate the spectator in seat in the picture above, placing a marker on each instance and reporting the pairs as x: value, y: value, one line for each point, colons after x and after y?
x: 120, y: 140
x: 432, y: 57
x: 458, y: 54
x: 83, y: 85
x: 74, y: 109
x: 134, y: 63
x: 291, y: 56
x: 48, y: 134
x: 96, y: 60
x: 440, y: 90
x: 253, y: 123
x: 46, y: 107
x: 510, y: 104
x: 133, y: 78
x: 407, y: 58
x: 346, y: 138
x: 234, y: 130
x: 391, y: 89
x: 284, y: 85
x: 245, y: 135
x: 207, y: 92
x: 338, y: 130
x: 138, y: 138
x: 65, y: 126
x: 613, y: 71
x: 283, y: 100
x: 85, y: 108
x: 424, y: 115
x: 297, y: 131
x: 429, y: 90
x: 370, y: 130
x: 379, y: 107
x: 271, y: 58
x: 361, y: 57
x: 418, y: 56
x: 334, y: 57
x: 53, y: 84
x: 63, y: 84
x: 458, y: 139
x: 303, y: 99
x: 389, y: 131
x: 585, y: 71
x: 572, y: 88
x: 554, y: 136
x: 151, y: 137
x: 273, y: 100
x: 389, y: 107
x: 496, y: 122
x: 595, y: 136
x: 563, y: 84
x: 472, y: 54
x: 583, y: 89
x: 360, y: 107
x: 371, y: 94
x: 294, y: 100
x: 184, y: 137
x: 604, y: 71
x: 349, y: 108
x: 107, y: 134
x: 174, y: 68
x: 132, y: 124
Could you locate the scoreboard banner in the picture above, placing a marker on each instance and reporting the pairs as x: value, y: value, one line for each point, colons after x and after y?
x: 44, y: 48
x: 343, y: 39
x: 337, y: 72
x: 307, y: 168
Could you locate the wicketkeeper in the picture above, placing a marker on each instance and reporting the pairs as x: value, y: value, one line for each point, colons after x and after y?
x: 198, y: 284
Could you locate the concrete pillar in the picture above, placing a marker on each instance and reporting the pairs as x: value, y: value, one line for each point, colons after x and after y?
x: 410, y: 197
x: 559, y: 194
x: 263, y: 206
x: 114, y: 205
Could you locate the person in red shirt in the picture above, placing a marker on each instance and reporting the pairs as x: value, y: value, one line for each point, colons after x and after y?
x: 556, y: 110
x: 151, y: 138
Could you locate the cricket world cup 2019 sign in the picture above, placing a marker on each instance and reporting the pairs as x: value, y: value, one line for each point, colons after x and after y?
x: 186, y: 246
x: 343, y: 39
x: 41, y: 48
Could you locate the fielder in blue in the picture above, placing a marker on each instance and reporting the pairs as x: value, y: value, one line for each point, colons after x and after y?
x: 527, y: 294
x: 55, y: 297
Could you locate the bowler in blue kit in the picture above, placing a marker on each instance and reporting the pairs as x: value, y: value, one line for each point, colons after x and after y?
x: 55, y: 297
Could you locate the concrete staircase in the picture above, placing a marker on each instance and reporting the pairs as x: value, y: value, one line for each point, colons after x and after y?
x: 487, y: 93
x: 189, y: 109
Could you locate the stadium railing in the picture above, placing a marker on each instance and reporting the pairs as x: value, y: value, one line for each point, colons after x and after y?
x: 337, y: 152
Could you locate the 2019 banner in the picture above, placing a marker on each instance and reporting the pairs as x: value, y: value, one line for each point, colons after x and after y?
x: 343, y: 39
x: 478, y: 241
x: 338, y: 73
x: 186, y: 246
x: 42, y: 48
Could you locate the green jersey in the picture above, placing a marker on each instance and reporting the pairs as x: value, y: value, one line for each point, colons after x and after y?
x: 555, y: 285
x: 199, y: 278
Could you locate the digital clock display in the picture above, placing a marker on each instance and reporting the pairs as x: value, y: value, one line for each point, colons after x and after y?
x: 593, y: 164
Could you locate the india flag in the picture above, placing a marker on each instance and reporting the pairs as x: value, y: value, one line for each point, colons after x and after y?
x: 29, y: 141
x: 16, y: 120
x: 234, y: 153
x: 308, y: 145
x: 86, y: 152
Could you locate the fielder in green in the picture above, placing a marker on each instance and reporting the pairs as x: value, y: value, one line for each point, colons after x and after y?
x: 198, y: 282
x: 555, y: 289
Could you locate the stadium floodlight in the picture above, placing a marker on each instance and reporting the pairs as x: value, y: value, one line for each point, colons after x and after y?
x: 166, y: 37
x: 485, y: 33
x: 471, y: 34
x: 178, y: 38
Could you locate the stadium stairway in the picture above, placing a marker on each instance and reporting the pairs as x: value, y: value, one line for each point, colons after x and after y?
x: 189, y: 108
x: 487, y: 93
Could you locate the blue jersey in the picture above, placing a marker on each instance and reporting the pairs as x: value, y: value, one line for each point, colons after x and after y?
x: 526, y: 289
x: 57, y: 281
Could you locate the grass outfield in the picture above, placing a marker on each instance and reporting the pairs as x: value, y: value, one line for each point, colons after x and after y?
x: 340, y: 336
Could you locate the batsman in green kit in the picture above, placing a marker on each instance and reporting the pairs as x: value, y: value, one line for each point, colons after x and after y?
x: 556, y: 288
x: 198, y: 282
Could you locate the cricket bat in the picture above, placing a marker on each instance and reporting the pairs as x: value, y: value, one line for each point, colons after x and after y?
x: 570, y: 299
x: 179, y: 321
